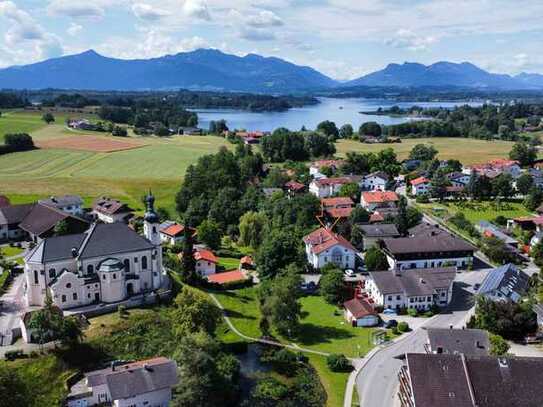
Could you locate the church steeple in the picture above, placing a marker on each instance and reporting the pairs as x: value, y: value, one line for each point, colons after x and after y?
x: 150, y: 214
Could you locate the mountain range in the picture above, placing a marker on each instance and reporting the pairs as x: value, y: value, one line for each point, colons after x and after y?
x: 208, y: 69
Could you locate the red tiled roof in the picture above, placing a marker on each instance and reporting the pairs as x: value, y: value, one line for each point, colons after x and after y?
x: 359, y: 308
x: 323, y: 239
x: 247, y: 260
x: 333, y: 181
x: 335, y: 202
x: 339, y: 212
x: 420, y: 180
x: 207, y: 255
x: 173, y: 230
x: 226, y: 277
x: 380, y: 196
x: 295, y: 186
x: 376, y: 217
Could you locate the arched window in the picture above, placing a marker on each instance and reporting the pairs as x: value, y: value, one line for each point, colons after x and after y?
x: 52, y: 273
x: 90, y: 269
x: 75, y: 296
x: 114, y: 276
x: 63, y: 298
x: 154, y: 230
x: 69, y: 285
x: 144, y: 262
x: 126, y: 263
x: 36, y: 277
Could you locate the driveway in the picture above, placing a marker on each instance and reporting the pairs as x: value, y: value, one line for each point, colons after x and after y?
x: 12, y: 305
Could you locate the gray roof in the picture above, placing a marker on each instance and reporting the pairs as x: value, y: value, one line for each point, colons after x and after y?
x: 62, y: 201
x: 379, y: 230
x: 14, y: 214
x: 445, y: 380
x: 468, y: 341
x: 485, y: 226
x: 378, y: 174
x: 508, y: 280
x: 538, y: 309
x: 414, y: 282
x: 102, y: 239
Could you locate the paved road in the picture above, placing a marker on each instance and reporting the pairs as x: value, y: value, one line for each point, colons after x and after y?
x: 12, y: 305
x: 378, y: 379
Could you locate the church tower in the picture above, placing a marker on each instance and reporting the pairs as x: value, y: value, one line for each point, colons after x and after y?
x: 151, y: 221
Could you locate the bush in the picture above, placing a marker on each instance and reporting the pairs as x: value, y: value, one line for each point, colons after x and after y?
x: 412, y: 312
x: 338, y: 363
x: 422, y: 199
x: 14, y: 354
x: 395, y: 331
x: 403, y: 327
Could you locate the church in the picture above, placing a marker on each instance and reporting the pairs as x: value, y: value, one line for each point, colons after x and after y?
x: 108, y: 263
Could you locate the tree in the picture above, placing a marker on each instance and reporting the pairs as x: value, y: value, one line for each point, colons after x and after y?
x: 209, y: 233
x: 480, y: 187
x: 12, y: 384
x: 351, y: 190
x: 359, y: 215
x: 329, y: 129
x: 497, y: 251
x: 346, y: 131
x: 423, y: 152
x: 375, y: 259
x: 370, y: 129
x: 533, y: 199
x: 162, y: 131
x: 18, y: 141
x: 537, y: 254
x: 253, y: 227
x: 498, y: 345
x: 318, y: 145
x: 402, y: 221
x: 119, y: 131
x: 438, y: 186
x: 61, y: 228
x: 332, y: 286
x: 194, y: 312
x: 48, y: 118
x: 357, y: 237
x: 188, y: 263
x: 279, y: 249
x: 523, y: 153
x: 70, y: 331
x: 338, y: 363
x: 502, y: 186
x: 524, y: 184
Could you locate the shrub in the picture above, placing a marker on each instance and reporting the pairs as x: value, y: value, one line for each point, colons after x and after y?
x: 395, y: 331
x: 403, y: 327
x: 412, y: 312
x: 14, y: 354
x: 338, y: 363
x: 422, y: 199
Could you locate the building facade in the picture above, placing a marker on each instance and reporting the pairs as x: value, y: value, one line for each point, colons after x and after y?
x: 323, y: 247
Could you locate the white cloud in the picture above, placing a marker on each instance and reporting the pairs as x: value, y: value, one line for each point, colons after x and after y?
x: 196, y: 9
x: 75, y: 8
x: 147, y: 12
x: 408, y: 39
x: 74, y: 29
x: 256, y: 34
x: 263, y: 19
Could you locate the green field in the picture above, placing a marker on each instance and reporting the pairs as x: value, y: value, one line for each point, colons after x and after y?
x: 468, y: 151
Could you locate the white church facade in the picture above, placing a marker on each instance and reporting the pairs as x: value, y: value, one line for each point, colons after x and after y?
x: 106, y: 264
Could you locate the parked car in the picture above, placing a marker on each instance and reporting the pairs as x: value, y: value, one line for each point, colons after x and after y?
x: 389, y: 311
x: 476, y: 286
x: 349, y: 273
x: 391, y: 323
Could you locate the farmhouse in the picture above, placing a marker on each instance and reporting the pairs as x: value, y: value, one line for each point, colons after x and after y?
x: 444, y: 380
x: 373, y: 233
x: 206, y: 262
x: 505, y: 283
x: 11, y: 217
x: 142, y: 383
x: 71, y: 204
x: 327, y: 187
x: 110, y: 210
x: 420, y: 186
x: 340, y: 207
x: 360, y: 313
x: 317, y: 166
x: 374, y: 200
x: 173, y: 233
x: 496, y: 167
x: 428, y: 246
x: 323, y: 247
x: 293, y: 187
x: 107, y: 263
x: 419, y: 289
x: 474, y: 342
x: 376, y: 181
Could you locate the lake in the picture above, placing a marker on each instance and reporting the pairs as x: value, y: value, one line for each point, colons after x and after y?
x: 340, y: 111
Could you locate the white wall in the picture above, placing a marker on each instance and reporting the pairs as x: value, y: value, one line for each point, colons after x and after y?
x: 459, y: 262
x: 205, y: 268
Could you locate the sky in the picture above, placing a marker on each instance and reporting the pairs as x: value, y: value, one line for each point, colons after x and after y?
x: 344, y: 39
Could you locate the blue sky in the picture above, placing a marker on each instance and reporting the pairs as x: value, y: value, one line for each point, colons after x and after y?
x: 342, y: 38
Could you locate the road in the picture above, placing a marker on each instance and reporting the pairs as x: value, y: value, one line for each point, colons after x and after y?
x: 12, y: 306
x: 378, y: 378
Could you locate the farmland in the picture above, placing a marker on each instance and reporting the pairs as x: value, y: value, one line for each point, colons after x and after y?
x: 469, y: 151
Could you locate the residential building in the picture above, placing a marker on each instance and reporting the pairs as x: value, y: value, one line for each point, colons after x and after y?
x: 11, y: 217
x: 360, y: 313
x: 376, y: 181
x: 474, y: 342
x: 375, y: 200
x: 323, y: 247
x: 110, y: 210
x: 420, y: 186
x: 445, y: 380
x: 428, y: 246
x: 537, y: 176
x: 487, y: 229
x: 173, y: 233
x: 107, y: 263
x: 496, y: 167
x: 374, y: 233
x: 327, y: 187
x: 206, y: 262
x: 505, y: 283
x: 71, y: 204
x: 340, y: 207
x: 317, y: 166
x: 133, y: 384
x: 419, y: 288
x: 190, y: 131
x: 227, y: 277
x: 294, y: 187
x: 458, y: 179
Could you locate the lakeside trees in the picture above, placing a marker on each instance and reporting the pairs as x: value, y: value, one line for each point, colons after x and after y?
x: 283, y: 145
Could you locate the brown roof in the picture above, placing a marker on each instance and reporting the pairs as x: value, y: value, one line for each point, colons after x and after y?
x: 359, y: 308
x: 43, y: 218
x: 335, y: 202
x: 175, y: 230
x: 14, y: 214
x: 109, y: 206
x: 295, y: 186
x: 333, y: 181
x: 323, y: 239
x: 380, y: 196
x: 339, y: 212
x: 207, y: 255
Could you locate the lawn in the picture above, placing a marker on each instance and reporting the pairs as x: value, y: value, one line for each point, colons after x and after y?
x: 15, y: 122
x: 242, y: 308
x: 229, y: 263
x: 9, y: 251
x: 468, y: 151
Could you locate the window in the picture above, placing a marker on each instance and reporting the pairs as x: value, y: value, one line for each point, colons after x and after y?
x: 103, y: 277
x: 63, y: 298
x: 411, y: 300
x: 36, y: 277
x: 398, y: 297
x: 135, y: 259
x: 154, y: 229
x: 114, y: 276
x: 88, y: 295
x: 126, y: 263
x: 90, y: 269
x: 390, y: 297
x: 68, y: 285
x: 428, y: 298
x: 74, y: 296
x: 443, y: 293
x: 144, y: 262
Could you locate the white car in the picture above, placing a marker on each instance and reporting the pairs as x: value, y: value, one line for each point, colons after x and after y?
x: 349, y: 273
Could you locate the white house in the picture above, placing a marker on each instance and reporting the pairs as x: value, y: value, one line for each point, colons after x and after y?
x: 374, y: 200
x: 134, y: 384
x: 317, y: 166
x: 419, y: 288
x: 420, y: 186
x: 360, y: 313
x: 107, y: 263
x: 376, y: 181
x: 206, y: 262
x: 458, y: 179
x: 71, y: 204
x: 327, y: 187
x: 323, y: 246
x: 495, y: 167
x: 505, y: 283
x: 173, y: 233
x: 110, y: 210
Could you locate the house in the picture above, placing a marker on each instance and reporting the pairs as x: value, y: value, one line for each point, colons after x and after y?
x: 494, y: 168
x: 420, y: 186
x: 269, y: 192
x: 340, y: 207
x: 142, y: 383
x: 110, y: 210
x: 537, y: 176
x: 173, y: 233
x: 419, y: 288
x: 294, y: 187
x: 206, y: 262
x: 375, y: 200
x: 487, y: 229
x: 317, y: 166
x: 527, y: 223
x: 232, y: 276
x: 376, y: 181
x: 374, y: 233
x: 360, y: 313
x: 11, y: 217
x: 458, y: 179
x: 190, y: 131
x: 505, y: 283
x: 71, y: 204
x: 428, y: 246
x: 323, y: 247
x: 327, y: 187
x: 246, y: 263
x: 444, y: 380
x: 40, y: 222
x: 474, y: 342
x: 108, y: 263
